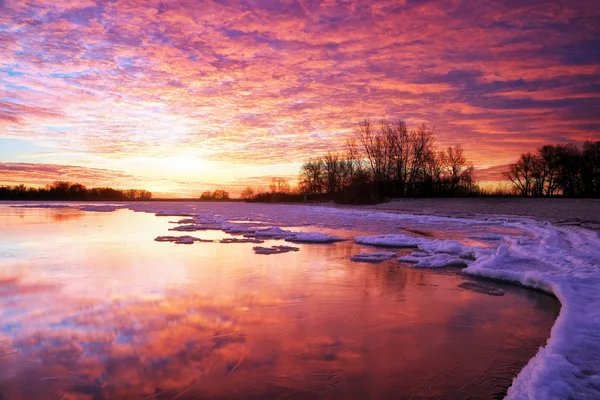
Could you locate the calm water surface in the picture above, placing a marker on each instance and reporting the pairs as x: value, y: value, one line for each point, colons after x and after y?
x: 92, y: 307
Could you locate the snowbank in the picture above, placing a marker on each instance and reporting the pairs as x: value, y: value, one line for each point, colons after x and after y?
x: 399, y: 241
x: 313, y: 237
x: 425, y: 260
x: 273, y: 233
x: 375, y: 257
x: 566, y: 262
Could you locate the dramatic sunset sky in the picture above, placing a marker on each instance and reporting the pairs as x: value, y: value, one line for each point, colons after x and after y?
x: 180, y: 96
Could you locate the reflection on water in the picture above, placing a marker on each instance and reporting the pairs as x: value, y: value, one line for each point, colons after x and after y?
x: 92, y: 307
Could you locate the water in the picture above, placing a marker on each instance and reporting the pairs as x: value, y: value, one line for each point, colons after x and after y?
x: 92, y: 307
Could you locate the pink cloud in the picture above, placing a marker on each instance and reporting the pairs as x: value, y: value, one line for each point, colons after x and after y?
x: 260, y: 84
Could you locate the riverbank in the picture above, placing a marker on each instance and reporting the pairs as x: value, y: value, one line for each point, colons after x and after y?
x: 573, y: 212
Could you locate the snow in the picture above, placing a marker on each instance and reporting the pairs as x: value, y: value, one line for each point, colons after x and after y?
x: 434, y: 253
x: 562, y: 260
x: 399, y: 241
x: 479, y: 288
x: 188, y: 228
x: 424, y: 260
x: 180, y: 239
x: 237, y: 240
x: 274, y: 249
x: 273, y: 233
x: 447, y: 247
x: 375, y: 257
x: 313, y: 237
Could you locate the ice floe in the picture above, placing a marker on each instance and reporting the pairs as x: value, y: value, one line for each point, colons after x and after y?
x: 180, y: 239
x: 242, y: 240
x: 273, y: 233
x: 375, y: 257
x: 399, y: 241
x: 189, y: 228
x: 425, y: 260
x: 274, y: 249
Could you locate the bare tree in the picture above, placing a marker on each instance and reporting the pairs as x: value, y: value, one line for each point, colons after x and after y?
x: 420, y: 147
x: 333, y: 170
x: 591, y: 168
x: 456, y: 165
x: 375, y: 147
x: 521, y: 174
x: 279, y: 185
x: 311, y: 176
x: 247, y: 193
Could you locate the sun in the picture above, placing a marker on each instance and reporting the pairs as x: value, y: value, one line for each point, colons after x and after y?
x: 185, y: 163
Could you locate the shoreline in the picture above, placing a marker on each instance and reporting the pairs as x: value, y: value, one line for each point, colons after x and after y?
x: 584, y: 213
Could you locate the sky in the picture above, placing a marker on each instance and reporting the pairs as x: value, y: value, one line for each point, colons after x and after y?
x: 181, y: 96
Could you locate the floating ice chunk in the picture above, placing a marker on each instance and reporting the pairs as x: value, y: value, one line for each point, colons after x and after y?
x: 376, y: 257
x: 186, y: 221
x: 313, y: 237
x: 189, y: 228
x: 102, y: 208
x: 180, y: 239
x: 448, y: 247
x: 238, y: 240
x: 400, y: 241
x: 274, y: 249
x: 440, y: 260
x: 235, y: 228
x: 430, y: 246
x: 274, y: 232
x: 479, y: 288
x: 286, y: 248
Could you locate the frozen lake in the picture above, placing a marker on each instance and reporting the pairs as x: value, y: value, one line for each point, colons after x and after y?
x: 93, y: 307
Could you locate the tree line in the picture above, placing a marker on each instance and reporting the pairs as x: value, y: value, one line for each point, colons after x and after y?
x: 389, y: 160
x: 558, y: 170
x: 217, y: 195
x: 279, y: 190
x: 62, y: 190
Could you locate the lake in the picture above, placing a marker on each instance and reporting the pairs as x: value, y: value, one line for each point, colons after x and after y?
x: 91, y: 306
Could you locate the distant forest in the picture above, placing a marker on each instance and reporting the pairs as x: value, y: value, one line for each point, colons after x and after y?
x: 71, y: 192
x: 558, y: 170
x: 389, y: 160
x: 392, y: 161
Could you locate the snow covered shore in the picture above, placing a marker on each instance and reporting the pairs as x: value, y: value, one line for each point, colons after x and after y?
x: 575, y: 212
x: 563, y: 260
